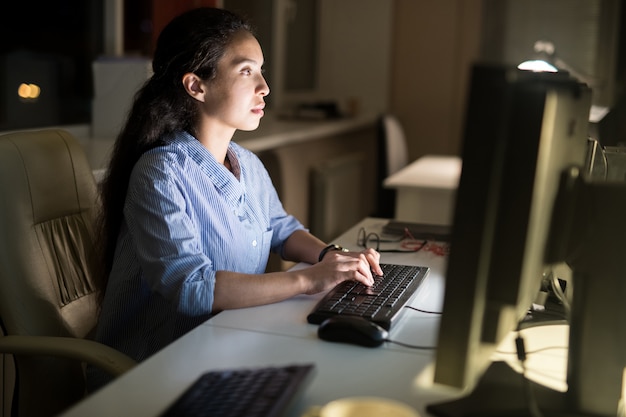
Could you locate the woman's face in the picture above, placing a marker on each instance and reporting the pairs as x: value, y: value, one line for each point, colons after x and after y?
x: 235, y: 97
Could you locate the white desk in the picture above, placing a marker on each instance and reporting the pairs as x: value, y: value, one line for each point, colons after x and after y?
x: 425, y: 189
x: 279, y: 334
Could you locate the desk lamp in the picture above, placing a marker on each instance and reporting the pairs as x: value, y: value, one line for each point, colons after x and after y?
x: 546, y: 59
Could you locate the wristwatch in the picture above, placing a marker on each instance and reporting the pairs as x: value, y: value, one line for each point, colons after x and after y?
x: 329, y: 248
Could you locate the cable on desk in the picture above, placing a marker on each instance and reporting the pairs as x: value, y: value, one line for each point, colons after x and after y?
x: 529, y: 393
x: 532, y: 352
x: 411, y: 346
x: 423, y: 311
x: 415, y: 346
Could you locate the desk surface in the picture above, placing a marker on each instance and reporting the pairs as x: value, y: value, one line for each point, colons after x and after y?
x: 425, y: 189
x: 430, y: 171
x: 279, y: 334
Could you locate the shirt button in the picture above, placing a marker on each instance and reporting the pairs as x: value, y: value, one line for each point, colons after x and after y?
x: 254, y: 243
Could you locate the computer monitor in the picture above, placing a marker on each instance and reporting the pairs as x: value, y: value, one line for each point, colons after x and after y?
x: 525, y: 142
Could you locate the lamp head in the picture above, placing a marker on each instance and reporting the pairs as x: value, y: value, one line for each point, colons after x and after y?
x: 544, y: 58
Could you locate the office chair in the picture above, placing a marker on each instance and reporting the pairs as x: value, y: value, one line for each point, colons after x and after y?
x: 48, y: 293
x: 393, y: 155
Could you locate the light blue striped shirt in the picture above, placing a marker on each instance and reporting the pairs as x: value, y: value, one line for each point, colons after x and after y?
x: 186, y: 217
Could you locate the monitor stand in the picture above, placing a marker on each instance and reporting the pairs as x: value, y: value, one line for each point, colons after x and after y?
x: 502, y: 392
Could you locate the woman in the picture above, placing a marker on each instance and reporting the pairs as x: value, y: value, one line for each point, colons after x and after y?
x: 189, y: 217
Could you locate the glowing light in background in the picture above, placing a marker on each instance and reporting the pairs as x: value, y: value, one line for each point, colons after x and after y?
x: 537, y: 65
x: 28, y: 91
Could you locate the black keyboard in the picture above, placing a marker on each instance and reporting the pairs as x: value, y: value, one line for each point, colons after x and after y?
x: 247, y: 392
x: 380, y: 303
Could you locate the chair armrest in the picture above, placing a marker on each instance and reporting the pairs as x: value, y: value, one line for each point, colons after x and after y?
x: 104, y: 357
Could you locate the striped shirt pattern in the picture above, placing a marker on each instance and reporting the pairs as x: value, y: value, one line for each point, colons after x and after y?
x: 186, y: 217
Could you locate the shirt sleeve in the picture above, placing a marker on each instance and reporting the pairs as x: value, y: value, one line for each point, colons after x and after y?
x: 170, y: 253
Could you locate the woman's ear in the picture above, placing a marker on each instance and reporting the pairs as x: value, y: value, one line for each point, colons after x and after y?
x: 194, y: 86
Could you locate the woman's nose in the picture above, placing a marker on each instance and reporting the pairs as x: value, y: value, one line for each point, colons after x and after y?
x: 263, y: 88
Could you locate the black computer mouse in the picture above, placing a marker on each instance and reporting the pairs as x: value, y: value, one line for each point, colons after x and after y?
x: 354, y: 330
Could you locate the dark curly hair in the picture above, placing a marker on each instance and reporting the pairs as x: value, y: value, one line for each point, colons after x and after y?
x: 192, y: 42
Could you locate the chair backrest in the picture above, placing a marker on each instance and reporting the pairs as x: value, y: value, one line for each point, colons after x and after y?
x: 395, y: 143
x: 48, y: 201
x: 393, y: 155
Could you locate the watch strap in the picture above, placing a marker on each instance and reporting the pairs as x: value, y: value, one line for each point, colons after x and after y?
x: 329, y: 248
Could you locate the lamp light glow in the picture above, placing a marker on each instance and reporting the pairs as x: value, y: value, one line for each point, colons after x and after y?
x: 537, y: 65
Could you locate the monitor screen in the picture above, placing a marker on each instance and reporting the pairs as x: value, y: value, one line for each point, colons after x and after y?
x: 523, y: 131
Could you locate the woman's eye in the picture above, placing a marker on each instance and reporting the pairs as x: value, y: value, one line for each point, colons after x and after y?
x: 246, y: 71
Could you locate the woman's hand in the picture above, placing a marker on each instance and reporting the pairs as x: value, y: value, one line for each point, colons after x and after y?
x: 337, y: 267
x: 372, y: 257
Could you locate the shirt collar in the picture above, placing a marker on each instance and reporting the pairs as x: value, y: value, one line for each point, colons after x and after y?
x: 231, y: 185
